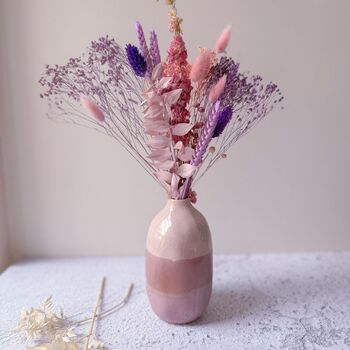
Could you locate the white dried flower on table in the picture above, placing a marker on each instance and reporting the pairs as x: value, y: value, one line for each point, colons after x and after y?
x: 41, y: 321
x: 48, y: 329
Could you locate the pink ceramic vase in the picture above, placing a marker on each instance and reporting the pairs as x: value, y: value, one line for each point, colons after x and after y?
x: 179, y: 263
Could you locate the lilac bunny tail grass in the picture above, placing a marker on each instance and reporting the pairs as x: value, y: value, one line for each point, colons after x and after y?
x: 224, y: 118
x: 206, y: 134
x: 144, y: 47
x: 203, y: 142
x: 154, y: 49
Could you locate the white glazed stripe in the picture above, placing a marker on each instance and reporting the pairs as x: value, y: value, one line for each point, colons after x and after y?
x: 179, y: 231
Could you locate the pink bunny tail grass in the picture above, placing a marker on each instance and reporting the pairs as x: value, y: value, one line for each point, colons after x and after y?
x: 201, y: 66
x: 154, y: 49
x: 223, y: 40
x: 144, y: 47
x: 217, y: 89
x: 92, y: 108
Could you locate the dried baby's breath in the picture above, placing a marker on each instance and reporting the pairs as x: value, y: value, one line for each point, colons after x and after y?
x: 68, y: 344
x: 49, y: 329
x: 52, y: 331
x: 94, y: 343
x: 42, y: 321
x: 56, y: 345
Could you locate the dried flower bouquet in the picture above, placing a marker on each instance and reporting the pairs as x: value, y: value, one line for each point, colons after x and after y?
x: 175, y: 118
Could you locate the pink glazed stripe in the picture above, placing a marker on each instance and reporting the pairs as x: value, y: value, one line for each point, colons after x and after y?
x: 179, y: 308
x: 179, y: 276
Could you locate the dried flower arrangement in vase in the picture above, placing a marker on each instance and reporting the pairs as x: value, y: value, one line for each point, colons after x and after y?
x: 177, y: 120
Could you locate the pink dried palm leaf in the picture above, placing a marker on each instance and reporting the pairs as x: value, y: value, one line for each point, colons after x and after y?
x: 165, y: 176
x: 165, y: 165
x: 186, y: 170
x: 158, y: 142
x: 224, y: 38
x: 159, y: 155
x: 157, y: 109
x: 184, y: 153
x: 181, y: 129
x: 174, y: 187
x: 156, y: 127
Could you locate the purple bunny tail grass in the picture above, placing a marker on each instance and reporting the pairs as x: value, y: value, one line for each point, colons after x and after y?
x: 206, y: 134
x: 154, y: 49
x: 143, y: 47
x: 224, y: 118
x: 203, y: 142
x: 136, y: 61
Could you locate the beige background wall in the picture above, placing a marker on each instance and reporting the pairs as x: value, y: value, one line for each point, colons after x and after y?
x: 284, y: 187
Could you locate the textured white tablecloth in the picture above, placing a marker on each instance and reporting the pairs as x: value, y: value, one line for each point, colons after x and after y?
x: 297, y: 301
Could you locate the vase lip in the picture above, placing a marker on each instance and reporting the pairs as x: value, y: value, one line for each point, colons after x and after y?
x: 173, y: 201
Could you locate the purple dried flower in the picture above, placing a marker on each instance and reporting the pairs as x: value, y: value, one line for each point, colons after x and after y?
x: 224, y: 118
x: 143, y: 47
x: 104, y: 74
x: 241, y: 89
x: 226, y: 66
x: 136, y: 60
x: 248, y: 96
x: 154, y: 49
x: 206, y: 134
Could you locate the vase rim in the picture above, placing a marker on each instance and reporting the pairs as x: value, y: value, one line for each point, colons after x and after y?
x: 185, y: 200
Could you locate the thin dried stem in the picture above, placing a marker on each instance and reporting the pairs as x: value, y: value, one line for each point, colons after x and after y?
x: 98, y: 303
x: 111, y: 310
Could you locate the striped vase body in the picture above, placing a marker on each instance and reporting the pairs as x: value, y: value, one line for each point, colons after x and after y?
x: 179, y: 264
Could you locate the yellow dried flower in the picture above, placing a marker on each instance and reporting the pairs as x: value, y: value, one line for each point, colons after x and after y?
x: 175, y: 22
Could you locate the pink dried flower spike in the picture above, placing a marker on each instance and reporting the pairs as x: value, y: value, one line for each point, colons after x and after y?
x: 217, y: 89
x: 223, y: 40
x: 201, y: 66
x: 92, y: 108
